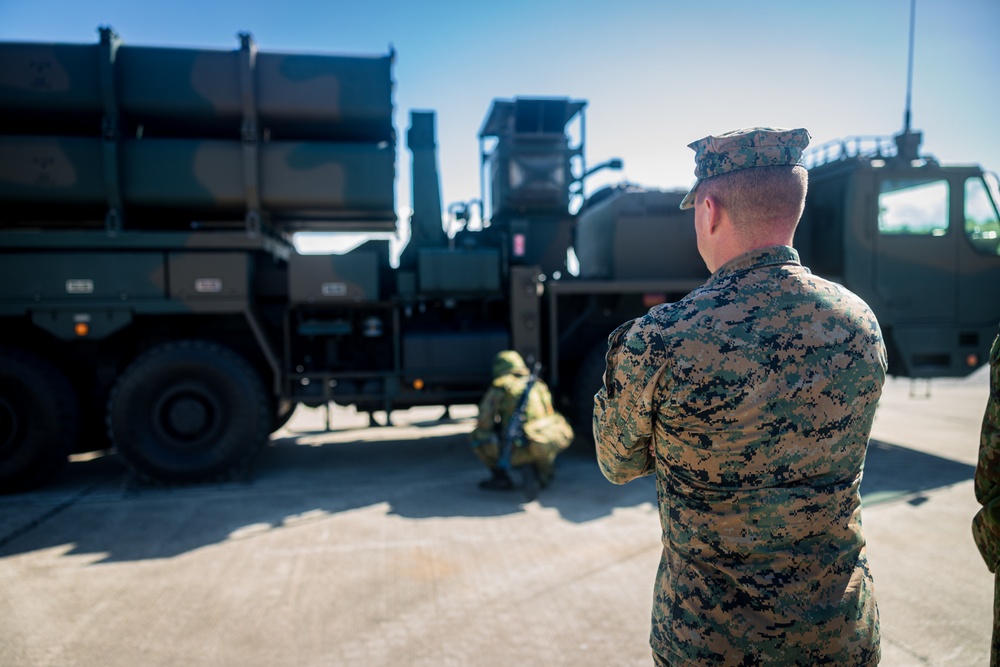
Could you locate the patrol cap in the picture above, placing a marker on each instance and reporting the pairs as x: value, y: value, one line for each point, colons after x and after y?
x: 742, y: 149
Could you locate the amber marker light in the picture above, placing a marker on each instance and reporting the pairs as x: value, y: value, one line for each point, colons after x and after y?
x: 972, y: 360
x: 81, y: 329
x: 418, y: 384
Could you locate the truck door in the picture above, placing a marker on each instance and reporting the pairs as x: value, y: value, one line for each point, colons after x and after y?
x: 916, y: 249
x: 979, y: 259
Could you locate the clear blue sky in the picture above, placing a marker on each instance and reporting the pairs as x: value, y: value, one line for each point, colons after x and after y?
x: 658, y: 74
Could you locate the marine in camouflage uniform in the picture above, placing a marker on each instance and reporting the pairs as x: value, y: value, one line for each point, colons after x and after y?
x: 986, y: 525
x: 545, y: 432
x: 751, y: 400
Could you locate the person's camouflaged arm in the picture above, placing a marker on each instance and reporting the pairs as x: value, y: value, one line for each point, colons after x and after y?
x: 624, y: 406
x: 486, y: 421
x: 986, y: 523
x: 987, y: 478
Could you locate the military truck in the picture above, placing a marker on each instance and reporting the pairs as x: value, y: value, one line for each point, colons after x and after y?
x: 152, y: 301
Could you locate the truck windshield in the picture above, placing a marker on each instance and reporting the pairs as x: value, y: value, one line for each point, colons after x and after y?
x: 913, y: 206
x: 982, y: 224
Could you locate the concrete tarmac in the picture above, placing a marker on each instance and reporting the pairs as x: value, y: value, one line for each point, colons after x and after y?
x: 374, y: 547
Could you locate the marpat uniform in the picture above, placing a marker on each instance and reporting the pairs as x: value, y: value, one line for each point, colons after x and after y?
x: 751, y: 400
x: 986, y: 525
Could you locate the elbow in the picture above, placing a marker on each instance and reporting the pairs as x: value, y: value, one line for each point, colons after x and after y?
x: 618, y: 470
x: 616, y: 476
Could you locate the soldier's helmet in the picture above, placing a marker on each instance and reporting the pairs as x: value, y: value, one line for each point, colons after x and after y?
x: 508, y: 362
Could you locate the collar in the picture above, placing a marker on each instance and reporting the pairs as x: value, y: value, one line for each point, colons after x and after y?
x: 780, y: 254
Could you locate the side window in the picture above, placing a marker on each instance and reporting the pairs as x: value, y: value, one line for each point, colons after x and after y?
x: 982, y: 225
x: 913, y: 207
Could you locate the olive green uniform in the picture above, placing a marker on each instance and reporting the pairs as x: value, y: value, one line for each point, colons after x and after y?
x: 545, y: 432
x: 751, y: 400
x: 986, y: 526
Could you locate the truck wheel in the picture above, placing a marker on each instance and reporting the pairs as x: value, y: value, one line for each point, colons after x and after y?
x: 188, y: 411
x: 588, y: 381
x: 39, y: 420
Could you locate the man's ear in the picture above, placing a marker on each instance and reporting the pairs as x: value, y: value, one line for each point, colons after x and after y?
x: 713, y: 217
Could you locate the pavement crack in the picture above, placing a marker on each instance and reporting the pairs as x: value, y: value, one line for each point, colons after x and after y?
x: 922, y: 659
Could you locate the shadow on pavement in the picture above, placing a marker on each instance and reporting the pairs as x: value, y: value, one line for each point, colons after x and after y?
x: 893, y: 472
x: 96, y: 508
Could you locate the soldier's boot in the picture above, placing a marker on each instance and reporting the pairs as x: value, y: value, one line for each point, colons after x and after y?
x: 531, y: 482
x: 498, y: 481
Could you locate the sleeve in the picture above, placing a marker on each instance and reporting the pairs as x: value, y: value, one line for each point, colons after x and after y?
x: 986, y: 523
x: 987, y: 479
x: 539, y: 402
x: 625, y: 406
x: 489, y: 408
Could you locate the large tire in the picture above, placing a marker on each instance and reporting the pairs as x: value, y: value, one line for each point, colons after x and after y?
x: 39, y: 420
x: 188, y: 411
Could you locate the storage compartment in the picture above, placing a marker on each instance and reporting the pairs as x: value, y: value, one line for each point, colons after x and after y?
x: 333, y: 278
x: 201, y: 276
x: 458, y: 354
x: 443, y: 270
x: 92, y: 276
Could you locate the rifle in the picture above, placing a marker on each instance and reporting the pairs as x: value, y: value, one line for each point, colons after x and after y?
x: 515, y: 425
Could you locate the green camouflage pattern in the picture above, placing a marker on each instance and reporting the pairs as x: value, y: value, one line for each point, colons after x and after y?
x: 751, y: 400
x: 742, y: 149
x: 987, y: 480
x: 509, y: 362
x: 320, y: 96
x: 193, y: 138
x: 986, y: 524
x: 309, y: 185
x: 546, y: 433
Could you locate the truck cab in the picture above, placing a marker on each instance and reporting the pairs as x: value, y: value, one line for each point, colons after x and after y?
x: 919, y: 241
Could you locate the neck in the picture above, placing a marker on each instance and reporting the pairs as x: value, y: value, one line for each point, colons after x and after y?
x: 732, y: 245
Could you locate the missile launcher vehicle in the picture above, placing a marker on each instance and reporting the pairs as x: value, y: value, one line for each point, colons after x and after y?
x: 153, y: 303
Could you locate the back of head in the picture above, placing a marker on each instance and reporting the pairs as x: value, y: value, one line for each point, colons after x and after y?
x: 760, y: 200
x: 755, y: 175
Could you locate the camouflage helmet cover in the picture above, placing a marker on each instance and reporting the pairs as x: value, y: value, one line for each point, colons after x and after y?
x: 508, y: 362
x: 742, y: 149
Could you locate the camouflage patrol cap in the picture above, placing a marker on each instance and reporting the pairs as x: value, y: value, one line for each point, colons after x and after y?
x: 742, y: 149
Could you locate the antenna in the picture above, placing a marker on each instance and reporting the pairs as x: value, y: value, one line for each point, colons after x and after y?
x: 907, y: 142
x: 909, y: 68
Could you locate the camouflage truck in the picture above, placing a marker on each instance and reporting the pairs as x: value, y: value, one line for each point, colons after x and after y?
x: 152, y: 301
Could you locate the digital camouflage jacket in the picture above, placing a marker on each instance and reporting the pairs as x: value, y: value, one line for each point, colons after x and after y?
x: 752, y: 400
x: 986, y: 526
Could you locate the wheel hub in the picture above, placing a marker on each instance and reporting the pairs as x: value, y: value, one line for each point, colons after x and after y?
x: 189, y: 415
x: 186, y: 415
